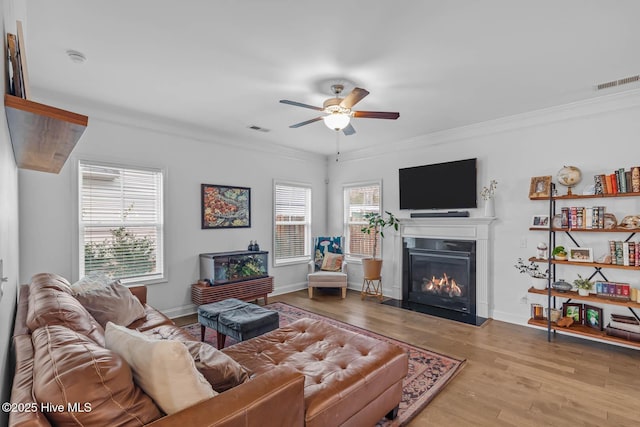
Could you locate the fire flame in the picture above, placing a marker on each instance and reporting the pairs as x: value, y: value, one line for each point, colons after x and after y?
x: 441, y: 286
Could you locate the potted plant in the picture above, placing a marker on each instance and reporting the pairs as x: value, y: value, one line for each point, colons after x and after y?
x: 559, y: 253
x: 376, y: 223
x: 539, y: 278
x: 583, y: 285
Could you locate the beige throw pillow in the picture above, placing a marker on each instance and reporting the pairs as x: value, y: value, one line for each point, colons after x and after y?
x: 164, y: 369
x: 332, y: 262
x: 108, y: 301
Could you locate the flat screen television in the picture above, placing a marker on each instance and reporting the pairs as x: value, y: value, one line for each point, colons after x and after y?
x: 449, y: 185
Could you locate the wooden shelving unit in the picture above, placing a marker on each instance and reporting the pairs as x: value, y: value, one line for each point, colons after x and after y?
x: 42, y: 136
x: 582, y: 330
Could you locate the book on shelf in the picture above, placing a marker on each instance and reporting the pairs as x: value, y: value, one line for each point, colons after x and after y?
x: 627, y: 177
x: 598, y: 184
x: 620, y: 333
x: 635, y: 179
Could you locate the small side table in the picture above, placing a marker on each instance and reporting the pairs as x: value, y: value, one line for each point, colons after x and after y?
x: 372, y: 287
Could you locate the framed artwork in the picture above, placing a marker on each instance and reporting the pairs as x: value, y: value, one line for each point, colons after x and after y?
x: 573, y: 310
x: 540, y: 221
x: 580, y: 255
x: 540, y: 187
x: 225, y: 206
x: 593, y: 317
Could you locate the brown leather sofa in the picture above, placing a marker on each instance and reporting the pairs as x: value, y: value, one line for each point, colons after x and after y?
x: 308, y: 372
x: 256, y: 402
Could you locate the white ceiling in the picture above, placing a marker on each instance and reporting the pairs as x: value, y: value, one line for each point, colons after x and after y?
x: 223, y: 65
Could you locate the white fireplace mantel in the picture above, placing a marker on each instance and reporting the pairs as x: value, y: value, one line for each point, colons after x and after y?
x: 467, y: 228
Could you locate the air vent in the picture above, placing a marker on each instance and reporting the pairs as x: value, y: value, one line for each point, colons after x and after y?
x: 258, y: 128
x: 620, y: 82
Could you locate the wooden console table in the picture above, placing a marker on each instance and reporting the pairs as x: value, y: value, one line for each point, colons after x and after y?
x: 245, y: 290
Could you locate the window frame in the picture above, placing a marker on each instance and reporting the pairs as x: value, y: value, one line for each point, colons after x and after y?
x: 161, y: 276
x: 306, y: 257
x: 355, y: 257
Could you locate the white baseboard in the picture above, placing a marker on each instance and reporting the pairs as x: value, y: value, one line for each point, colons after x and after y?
x: 509, y: 317
x: 185, y: 310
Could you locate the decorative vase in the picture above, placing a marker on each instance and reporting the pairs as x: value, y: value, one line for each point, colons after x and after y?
x: 583, y: 292
x: 372, y: 268
x: 489, y: 208
x: 539, y: 283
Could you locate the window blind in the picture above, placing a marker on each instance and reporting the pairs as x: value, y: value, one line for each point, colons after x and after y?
x: 292, y: 215
x: 360, y: 200
x: 121, y: 222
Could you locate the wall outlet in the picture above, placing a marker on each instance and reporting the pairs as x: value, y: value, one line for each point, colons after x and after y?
x: 523, y: 242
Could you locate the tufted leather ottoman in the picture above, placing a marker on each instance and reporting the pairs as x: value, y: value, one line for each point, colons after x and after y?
x: 237, y: 319
x: 350, y: 379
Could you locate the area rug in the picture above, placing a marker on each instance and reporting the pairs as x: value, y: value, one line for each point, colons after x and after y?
x: 429, y: 372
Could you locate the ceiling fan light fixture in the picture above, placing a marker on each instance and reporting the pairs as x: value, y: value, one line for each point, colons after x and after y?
x: 337, y: 121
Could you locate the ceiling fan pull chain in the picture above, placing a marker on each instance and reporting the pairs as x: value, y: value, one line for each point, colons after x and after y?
x: 337, y: 145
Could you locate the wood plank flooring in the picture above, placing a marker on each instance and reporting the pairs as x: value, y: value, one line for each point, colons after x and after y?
x: 513, y: 376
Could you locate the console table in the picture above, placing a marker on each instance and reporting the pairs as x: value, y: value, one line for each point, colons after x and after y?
x: 245, y: 290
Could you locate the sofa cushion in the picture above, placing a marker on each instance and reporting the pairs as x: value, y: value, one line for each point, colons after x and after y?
x: 164, y: 369
x: 111, y: 302
x: 51, y: 305
x: 69, y: 368
x: 51, y: 281
x: 220, y: 370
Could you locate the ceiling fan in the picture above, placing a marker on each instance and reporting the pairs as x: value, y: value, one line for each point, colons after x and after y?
x: 338, y: 110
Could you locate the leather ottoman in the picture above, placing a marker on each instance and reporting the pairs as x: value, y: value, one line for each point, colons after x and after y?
x: 237, y: 319
x: 350, y: 379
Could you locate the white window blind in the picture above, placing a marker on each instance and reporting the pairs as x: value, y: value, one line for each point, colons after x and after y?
x: 121, y: 222
x: 292, y: 227
x: 359, y: 200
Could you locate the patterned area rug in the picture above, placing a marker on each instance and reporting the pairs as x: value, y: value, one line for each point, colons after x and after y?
x: 428, y: 374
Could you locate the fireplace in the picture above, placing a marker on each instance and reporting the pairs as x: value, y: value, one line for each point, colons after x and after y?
x: 439, y: 277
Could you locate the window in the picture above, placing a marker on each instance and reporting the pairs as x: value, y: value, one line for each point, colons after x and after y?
x: 359, y: 200
x: 121, y: 222
x: 292, y: 223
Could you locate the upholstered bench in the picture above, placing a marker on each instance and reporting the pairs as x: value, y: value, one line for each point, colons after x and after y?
x: 235, y: 318
x: 350, y: 379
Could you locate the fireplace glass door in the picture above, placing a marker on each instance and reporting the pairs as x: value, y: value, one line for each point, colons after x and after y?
x: 441, y: 275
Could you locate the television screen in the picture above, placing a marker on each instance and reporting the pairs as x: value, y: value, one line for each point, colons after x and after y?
x: 449, y: 185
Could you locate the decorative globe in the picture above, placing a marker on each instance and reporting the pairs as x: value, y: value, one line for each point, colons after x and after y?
x: 569, y: 176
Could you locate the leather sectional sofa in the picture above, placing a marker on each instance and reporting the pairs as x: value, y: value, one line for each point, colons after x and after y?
x: 302, y: 374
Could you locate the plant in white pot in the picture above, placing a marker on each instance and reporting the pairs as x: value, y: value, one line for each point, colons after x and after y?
x: 539, y: 279
x: 583, y: 285
x: 376, y: 225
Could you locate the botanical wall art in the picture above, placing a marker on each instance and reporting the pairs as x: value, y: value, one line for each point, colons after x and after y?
x: 225, y: 206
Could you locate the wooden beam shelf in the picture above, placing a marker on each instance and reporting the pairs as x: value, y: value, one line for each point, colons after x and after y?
x: 585, y: 331
x: 586, y: 264
x: 42, y: 136
x: 590, y: 297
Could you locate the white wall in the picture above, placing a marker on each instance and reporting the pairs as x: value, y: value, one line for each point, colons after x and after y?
x: 49, y: 202
x: 8, y: 236
x: 597, y: 136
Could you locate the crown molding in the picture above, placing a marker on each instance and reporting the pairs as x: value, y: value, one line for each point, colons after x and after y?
x: 580, y: 109
x: 163, y: 125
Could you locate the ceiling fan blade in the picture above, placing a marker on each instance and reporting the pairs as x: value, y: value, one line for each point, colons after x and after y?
x: 297, y: 125
x: 349, y: 130
x: 300, y: 104
x: 375, y: 115
x: 354, y: 97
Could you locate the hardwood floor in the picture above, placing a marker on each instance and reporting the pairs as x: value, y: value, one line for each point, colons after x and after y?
x: 513, y: 376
